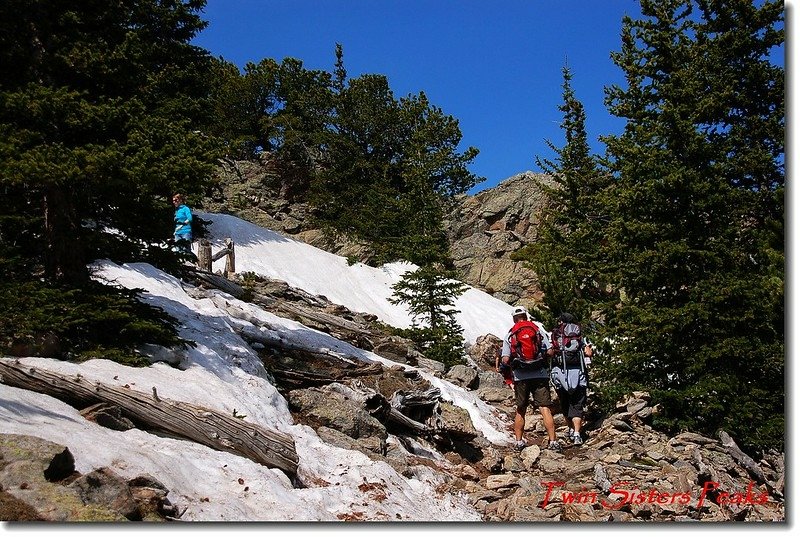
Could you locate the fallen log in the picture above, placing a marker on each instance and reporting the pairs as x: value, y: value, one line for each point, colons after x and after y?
x: 381, y: 409
x: 275, y: 340
x: 204, y: 426
x: 216, y: 281
x: 305, y: 379
x: 746, y: 462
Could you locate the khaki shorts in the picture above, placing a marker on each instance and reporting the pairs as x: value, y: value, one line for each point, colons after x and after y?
x: 538, y: 388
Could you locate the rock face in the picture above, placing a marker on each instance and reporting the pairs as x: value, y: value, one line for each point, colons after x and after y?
x: 484, y: 229
x: 257, y: 192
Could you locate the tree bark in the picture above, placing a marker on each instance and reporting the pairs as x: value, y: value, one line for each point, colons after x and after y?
x: 385, y: 411
x: 204, y: 426
x: 746, y: 461
x: 64, y: 253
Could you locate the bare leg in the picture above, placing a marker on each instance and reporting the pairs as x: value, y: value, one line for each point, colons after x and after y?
x: 549, y: 424
x: 576, y: 424
x: 519, y: 423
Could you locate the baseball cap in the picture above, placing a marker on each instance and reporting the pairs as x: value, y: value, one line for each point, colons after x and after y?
x: 519, y: 310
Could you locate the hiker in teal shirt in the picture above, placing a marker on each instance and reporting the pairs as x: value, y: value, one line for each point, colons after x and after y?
x: 183, y: 224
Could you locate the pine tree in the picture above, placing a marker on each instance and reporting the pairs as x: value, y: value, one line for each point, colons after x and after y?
x: 567, y: 255
x: 430, y: 293
x: 697, y: 231
x: 100, y: 117
x: 102, y: 111
x: 389, y: 169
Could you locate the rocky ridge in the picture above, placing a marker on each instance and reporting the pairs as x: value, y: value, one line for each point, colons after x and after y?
x: 487, y: 228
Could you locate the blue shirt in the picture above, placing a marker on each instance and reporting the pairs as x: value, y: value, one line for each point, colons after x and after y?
x: 183, y: 223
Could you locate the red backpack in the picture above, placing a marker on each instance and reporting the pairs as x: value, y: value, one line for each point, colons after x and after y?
x: 526, y: 344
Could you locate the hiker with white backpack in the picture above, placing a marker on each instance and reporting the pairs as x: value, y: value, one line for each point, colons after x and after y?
x: 525, y: 352
x: 570, y: 356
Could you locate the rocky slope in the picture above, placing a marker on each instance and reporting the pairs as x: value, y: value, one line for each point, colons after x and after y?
x: 38, y: 482
x: 625, y: 471
x: 484, y: 229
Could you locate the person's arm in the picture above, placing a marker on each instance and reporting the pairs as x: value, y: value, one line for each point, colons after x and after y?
x: 587, y: 353
x: 506, y: 352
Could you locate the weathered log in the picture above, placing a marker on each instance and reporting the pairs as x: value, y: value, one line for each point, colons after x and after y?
x: 204, y: 255
x: 273, y: 340
x: 332, y: 323
x: 419, y: 405
x: 746, y: 462
x: 222, y: 253
x: 381, y: 409
x: 218, y: 282
x: 208, y: 427
x: 305, y: 379
x: 230, y: 261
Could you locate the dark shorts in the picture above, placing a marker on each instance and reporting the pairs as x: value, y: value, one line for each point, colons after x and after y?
x: 572, y: 404
x: 538, y: 388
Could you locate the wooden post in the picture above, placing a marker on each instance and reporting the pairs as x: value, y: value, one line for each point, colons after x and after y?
x: 230, y: 260
x: 204, y: 255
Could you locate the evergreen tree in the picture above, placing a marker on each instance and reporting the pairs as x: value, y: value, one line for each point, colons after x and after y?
x: 244, y: 105
x: 99, y: 115
x: 697, y: 231
x: 389, y: 169
x: 102, y: 110
x: 430, y: 293
x: 280, y: 108
x: 567, y: 255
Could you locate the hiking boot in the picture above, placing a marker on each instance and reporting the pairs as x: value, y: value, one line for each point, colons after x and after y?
x: 577, y: 440
x: 554, y: 445
x: 520, y: 445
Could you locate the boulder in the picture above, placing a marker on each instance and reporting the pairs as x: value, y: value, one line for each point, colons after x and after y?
x: 457, y: 421
x: 463, y: 375
x: 104, y: 487
x: 32, y: 471
x: 491, y: 379
x: 486, y: 349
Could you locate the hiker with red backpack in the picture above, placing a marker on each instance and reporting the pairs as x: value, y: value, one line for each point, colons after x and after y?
x: 570, y: 356
x: 524, y: 351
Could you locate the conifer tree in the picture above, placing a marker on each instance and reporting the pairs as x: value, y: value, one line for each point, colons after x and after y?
x: 102, y: 111
x: 101, y: 117
x: 567, y: 254
x: 697, y: 230
x: 430, y: 293
x: 389, y: 169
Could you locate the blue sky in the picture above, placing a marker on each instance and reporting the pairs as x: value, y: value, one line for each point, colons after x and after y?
x: 493, y: 65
